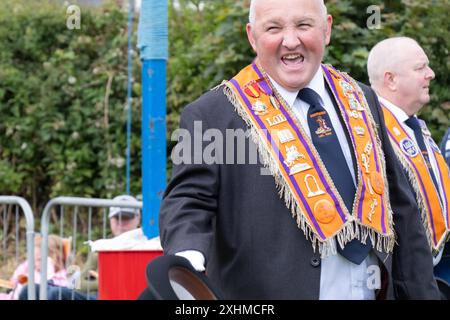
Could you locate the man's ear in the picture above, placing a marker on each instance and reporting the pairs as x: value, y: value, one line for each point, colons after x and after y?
x: 329, y: 24
x: 250, y: 37
x: 390, y: 80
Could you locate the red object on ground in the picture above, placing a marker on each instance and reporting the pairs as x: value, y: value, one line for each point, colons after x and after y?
x: 122, y: 273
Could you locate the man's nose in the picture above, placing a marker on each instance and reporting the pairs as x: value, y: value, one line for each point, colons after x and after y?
x: 291, y: 39
x: 430, y: 73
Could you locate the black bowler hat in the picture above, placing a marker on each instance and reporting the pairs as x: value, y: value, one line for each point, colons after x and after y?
x: 173, y: 278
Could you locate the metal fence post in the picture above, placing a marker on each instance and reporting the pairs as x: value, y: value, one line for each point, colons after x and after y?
x: 71, y: 201
x: 29, y: 218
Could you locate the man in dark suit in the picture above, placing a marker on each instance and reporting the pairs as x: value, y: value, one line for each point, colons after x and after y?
x: 402, y: 85
x: 324, y: 213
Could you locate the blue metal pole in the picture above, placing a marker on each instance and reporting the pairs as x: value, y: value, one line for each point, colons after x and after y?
x: 153, y: 142
x: 153, y: 46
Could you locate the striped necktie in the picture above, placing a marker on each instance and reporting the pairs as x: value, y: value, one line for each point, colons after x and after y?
x: 414, y: 124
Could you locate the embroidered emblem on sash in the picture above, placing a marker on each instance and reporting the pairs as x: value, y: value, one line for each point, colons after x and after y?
x: 355, y: 105
x: 299, y: 167
x: 365, y: 162
x: 347, y: 88
x: 252, y: 89
x: 277, y: 119
x: 292, y: 156
x: 409, y: 148
x: 285, y: 135
x: 376, y: 181
x: 354, y: 114
x: 325, y: 211
x: 360, y: 131
x: 373, y: 205
x: 259, y: 108
x: 312, y: 192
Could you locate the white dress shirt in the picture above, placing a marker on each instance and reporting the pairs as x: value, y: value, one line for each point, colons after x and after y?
x: 402, y: 117
x: 340, y: 279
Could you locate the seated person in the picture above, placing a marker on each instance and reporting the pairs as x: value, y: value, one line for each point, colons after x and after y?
x: 121, y: 220
x: 56, y: 272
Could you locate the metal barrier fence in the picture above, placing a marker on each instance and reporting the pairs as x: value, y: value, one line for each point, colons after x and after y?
x: 69, y: 222
x: 11, y: 205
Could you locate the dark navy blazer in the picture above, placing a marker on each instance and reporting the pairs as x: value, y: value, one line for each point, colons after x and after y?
x: 252, y: 245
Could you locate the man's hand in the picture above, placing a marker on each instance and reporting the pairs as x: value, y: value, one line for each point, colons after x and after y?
x: 195, y: 257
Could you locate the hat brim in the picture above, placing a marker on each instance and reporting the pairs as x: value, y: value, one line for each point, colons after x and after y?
x: 124, y: 215
x: 444, y: 288
x: 172, y: 277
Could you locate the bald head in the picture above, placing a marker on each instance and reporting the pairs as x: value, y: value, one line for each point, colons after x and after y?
x: 387, y: 56
x: 399, y: 71
x: 253, y: 3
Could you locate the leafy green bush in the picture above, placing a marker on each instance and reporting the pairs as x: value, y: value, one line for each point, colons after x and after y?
x: 63, y: 103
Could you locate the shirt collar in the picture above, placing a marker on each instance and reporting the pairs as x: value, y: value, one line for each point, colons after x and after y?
x: 317, y: 84
x: 398, y: 113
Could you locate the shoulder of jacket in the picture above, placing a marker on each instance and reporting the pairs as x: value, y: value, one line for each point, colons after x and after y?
x: 211, y: 101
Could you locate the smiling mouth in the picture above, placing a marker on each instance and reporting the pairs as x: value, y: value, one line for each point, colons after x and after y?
x: 292, y: 59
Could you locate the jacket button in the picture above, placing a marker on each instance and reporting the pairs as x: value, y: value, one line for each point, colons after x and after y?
x: 315, y: 262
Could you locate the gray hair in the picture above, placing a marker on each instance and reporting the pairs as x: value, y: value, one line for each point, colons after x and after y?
x: 386, y: 55
x: 251, y: 13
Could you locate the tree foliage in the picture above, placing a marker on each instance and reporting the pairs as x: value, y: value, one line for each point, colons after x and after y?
x: 63, y: 103
x: 217, y: 46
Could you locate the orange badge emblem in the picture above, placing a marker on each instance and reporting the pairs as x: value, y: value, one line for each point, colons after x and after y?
x: 377, y: 182
x: 324, y: 211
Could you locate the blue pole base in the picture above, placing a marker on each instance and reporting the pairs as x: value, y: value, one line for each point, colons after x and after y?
x: 154, y: 145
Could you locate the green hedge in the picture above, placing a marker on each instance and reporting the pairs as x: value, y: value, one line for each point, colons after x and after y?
x: 63, y: 103
x: 63, y: 92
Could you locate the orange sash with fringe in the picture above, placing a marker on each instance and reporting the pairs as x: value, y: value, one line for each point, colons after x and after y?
x: 434, y: 209
x: 299, y: 173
